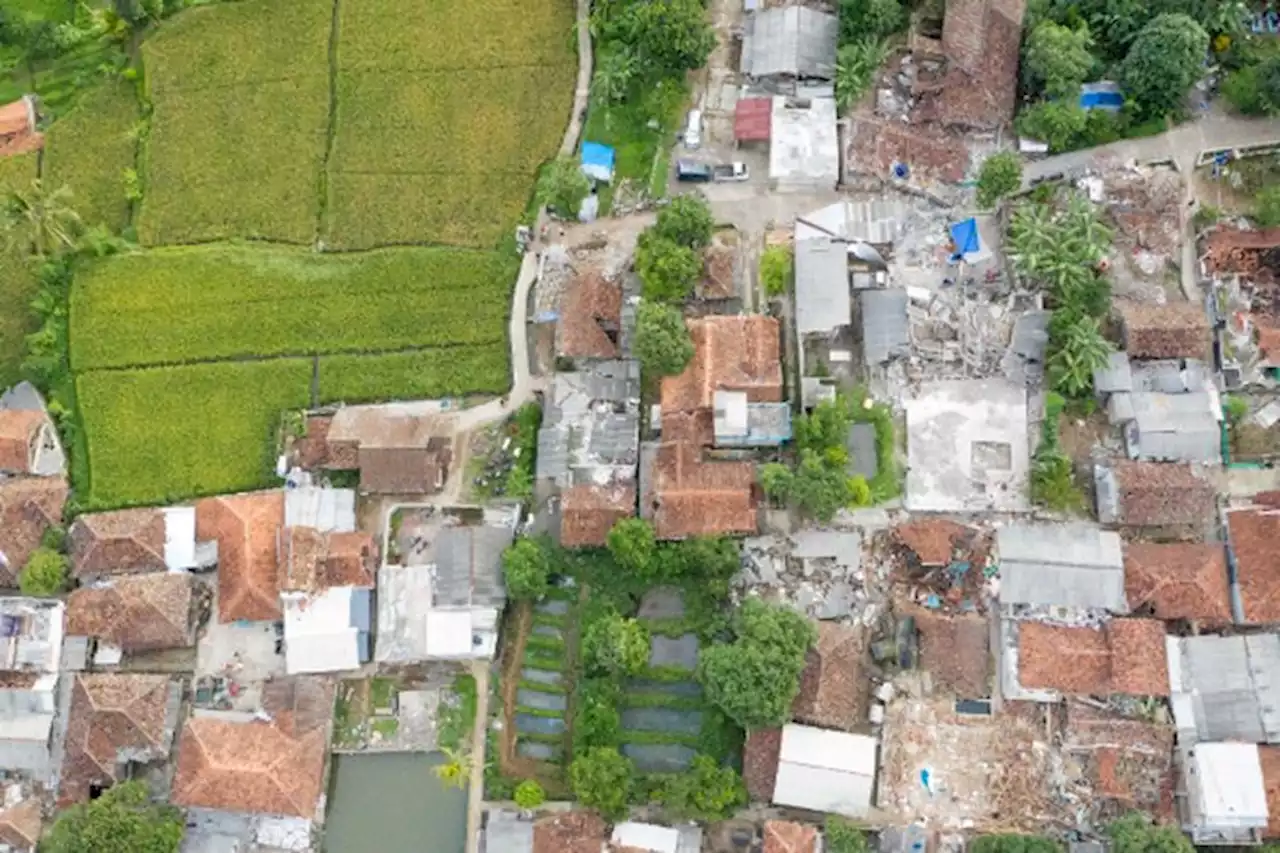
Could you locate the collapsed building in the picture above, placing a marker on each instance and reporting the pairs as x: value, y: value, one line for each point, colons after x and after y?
x: 1242, y: 266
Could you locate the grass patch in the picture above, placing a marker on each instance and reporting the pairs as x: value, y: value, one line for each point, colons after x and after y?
x: 537, y: 661
x: 163, y: 434
x: 637, y: 736
x: 539, y: 712
x: 667, y: 674
x: 217, y: 302
x: 17, y: 279
x: 382, y: 692
x: 386, y: 727
x: 544, y: 645
x: 421, y: 374
x: 641, y: 131
x: 663, y: 700
x: 457, y: 715
x: 89, y: 149
x: 549, y: 619
x: 542, y: 687
x: 539, y: 737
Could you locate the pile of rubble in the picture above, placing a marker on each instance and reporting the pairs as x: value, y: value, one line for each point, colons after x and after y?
x: 820, y: 572
x: 959, y: 333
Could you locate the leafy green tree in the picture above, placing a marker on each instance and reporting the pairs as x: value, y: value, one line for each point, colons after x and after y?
x: 1014, y: 843
x: 842, y: 835
x: 820, y: 487
x: 1058, y: 124
x: 601, y: 779
x: 1000, y: 175
x: 529, y: 795
x: 662, y: 339
x: 45, y: 573
x: 668, y: 271
x: 632, y: 545
x: 1056, y: 59
x: 856, y: 65
x: 1081, y: 351
x: 596, y: 721
x: 1163, y: 63
x: 1266, y: 207
x: 825, y: 427
x: 755, y: 678
x: 686, y: 221
x: 526, y: 566
x: 707, y: 558
x: 562, y: 186
x: 40, y: 220
x: 615, y: 645
x: 776, y: 480
x: 122, y: 820
x: 704, y: 792
x: 776, y: 270
x: 1136, y: 833
x: 668, y: 37
x: 876, y: 18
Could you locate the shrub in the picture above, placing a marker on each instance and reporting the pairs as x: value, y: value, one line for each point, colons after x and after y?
x: 529, y: 795
x: 1236, y: 408
x: 1136, y: 833
x: 563, y: 186
x: 44, y: 574
x: 844, y: 836
x: 615, y: 646
x: 596, y: 721
x: 1015, y: 843
x: 602, y: 779
x: 777, y: 264
x: 704, y: 792
x: 631, y: 544
x: 1000, y: 175
x: 686, y: 221
x: 1266, y: 207
x: 525, y: 566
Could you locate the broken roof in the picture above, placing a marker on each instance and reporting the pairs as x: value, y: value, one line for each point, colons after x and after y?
x: 1153, y: 494
x: 875, y: 146
x: 794, y: 41
x: 691, y: 496
x: 115, y: 720
x: 1127, y: 656
x: 956, y: 650
x: 834, y: 684
x: 135, y: 614
x: 784, y: 836
x: 1237, y: 250
x: 1253, y: 533
x: 731, y: 353
x: 570, y: 832
x: 981, y: 39
x: 1068, y: 565
x: 884, y: 324
x: 1174, y: 330
x: 931, y: 540
x: 245, y: 527
x: 822, y: 285
x: 311, y: 560
x: 127, y: 540
x: 1127, y: 761
x: 271, y: 767
x: 1179, y: 580
x: 590, y: 317
x: 588, y: 513
x: 590, y: 429
x: 28, y: 507
x: 760, y: 754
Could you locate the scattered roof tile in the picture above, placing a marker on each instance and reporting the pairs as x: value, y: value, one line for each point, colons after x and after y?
x: 692, y: 496
x: 19, y: 430
x: 588, y: 513
x: 570, y: 832
x: 135, y: 613
x: 311, y: 560
x: 1128, y: 760
x: 760, y: 755
x: 260, y: 767
x: 28, y: 507
x: 1235, y: 250
x: 245, y: 527
x: 1253, y: 533
x: 1175, y: 330
x: 834, y: 685
x: 113, y: 543
x: 1268, y: 339
x: 114, y: 719
x: 719, y: 263
x: 956, y: 650
x: 1178, y: 581
x: 1162, y: 494
x: 731, y: 353
x: 590, y: 317
x: 784, y: 836
x: 981, y: 39
x: 1128, y: 656
x: 20, y: 824
x: 876, y: 145
x: 932, y: 540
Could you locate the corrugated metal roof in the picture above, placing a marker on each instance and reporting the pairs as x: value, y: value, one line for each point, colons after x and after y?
x: 1066, y: 565
x: 795, y: 41
x: 877, y: 222
x: 1230, y: 687
x: 1231, y: 791
x: 468, y: 564
x: 861, y: 445
x: 826, y: 771
x: 822, y: 286
x: 884, y: 324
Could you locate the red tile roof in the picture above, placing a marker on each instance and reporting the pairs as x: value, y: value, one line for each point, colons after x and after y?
x: 1128, y: 657
x: 135, y: 613
x: 760, y: 755
x: 731, y: 353
x: 28, y: 507
x: 20, y: 824
x: 1254, y: 533
x: 120, y: 542
x: 590, y: 310
x: 1175, y: 330
x: 1162, y: 494
x: 114, y: 719
x: 19, y: 431
x: 588, y: 513
x: 312, y: 561
x: 753, y: 119
x: 932, y: 540
x: 834, y: 685
x: 695, y: 497
x: 245, y: 527
x: 783, y: 836
x: 1178, y: 581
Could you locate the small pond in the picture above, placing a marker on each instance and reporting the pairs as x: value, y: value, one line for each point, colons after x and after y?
x: 393, y: 803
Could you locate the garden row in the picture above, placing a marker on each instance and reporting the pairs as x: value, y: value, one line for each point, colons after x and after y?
x: 541, y: 710
x: 261, y: 130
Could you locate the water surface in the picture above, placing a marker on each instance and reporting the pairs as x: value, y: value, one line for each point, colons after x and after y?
x: 393, y: 803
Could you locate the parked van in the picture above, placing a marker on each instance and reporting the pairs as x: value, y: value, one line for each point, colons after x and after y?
x: 692, y: 172
x: 693, y: 129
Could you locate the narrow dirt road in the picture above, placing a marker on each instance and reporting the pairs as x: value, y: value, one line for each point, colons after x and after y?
x: 475, y: 791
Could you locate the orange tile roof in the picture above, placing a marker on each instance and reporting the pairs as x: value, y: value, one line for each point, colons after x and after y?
x: 590, y: 309
x: 15, y: 118
x: 760, y: 755
x: 110, y: 543
x: 784, y: 836
x: 956, y: 650
x: 1178, y: 581
x: 570, y: 832
x: 139, y: 613
x: 245, y: 527
x: 28, y: 507
x: 113, y: 718
x: 932, y: 540
x: 696, y: 497
x: 1128, y: 657
x: 312, y: 561
x: 1253, y: 533
x: 19, y: 429
x: 1162, y: 494
x: 834, y: 686
x: 588, y: 513
x: 1175, y: 330
x: 731, y: 353
x: 20, y: 824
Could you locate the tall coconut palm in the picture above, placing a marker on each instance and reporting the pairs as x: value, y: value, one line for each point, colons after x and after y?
x: 40, y: 219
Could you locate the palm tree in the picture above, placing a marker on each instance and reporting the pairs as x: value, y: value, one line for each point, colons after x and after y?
x: 613, y: 76
x: 40, y: 218
x: 856, y: 65
x: 1082, y: 351
x: 456, y: 768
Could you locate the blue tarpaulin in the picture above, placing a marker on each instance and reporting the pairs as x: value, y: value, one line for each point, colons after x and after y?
x: 597, y: 161
x: 1104, y: 95
x: 965, y: 237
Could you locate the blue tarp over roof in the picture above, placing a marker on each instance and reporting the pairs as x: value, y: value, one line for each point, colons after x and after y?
x: 965, y: 236
x: 597, y: 161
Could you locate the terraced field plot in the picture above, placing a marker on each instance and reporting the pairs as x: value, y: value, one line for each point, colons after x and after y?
x: 541, y: 708
x: 89, y: 150
x: 17, y: 282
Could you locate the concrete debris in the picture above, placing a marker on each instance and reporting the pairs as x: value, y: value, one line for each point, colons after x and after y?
x: 818, y: 571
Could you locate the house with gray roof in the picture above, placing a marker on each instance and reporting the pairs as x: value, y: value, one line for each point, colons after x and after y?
x: 791, y: 43
x: 822, y: 285
x: 1060, y: 567
x: 1161, y: 427
x: 1225, y: 688
x: 884, y: 325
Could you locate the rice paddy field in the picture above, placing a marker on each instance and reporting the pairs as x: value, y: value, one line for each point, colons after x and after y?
x: 329, y: 192
x: 17, y: 280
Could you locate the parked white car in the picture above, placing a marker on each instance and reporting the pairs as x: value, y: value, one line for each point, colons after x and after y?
x: 693, y: 129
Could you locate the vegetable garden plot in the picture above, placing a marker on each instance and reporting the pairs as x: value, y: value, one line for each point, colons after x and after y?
x: 428, y: 36
x: 659, y: 757
x: 89, y: 149
x: 163, y: 434
x: 215, y: 302
x: 238, y: 162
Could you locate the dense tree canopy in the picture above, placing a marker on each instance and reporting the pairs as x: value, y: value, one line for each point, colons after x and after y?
x: 662, y: 340
x: 1057, y: 58
x: 705, y: 792
x: 668, y: 270
x: 1164, y: 61
x: 666, y: 36
x: 615, y: 645
x: 562, y: 187
x: 1135, y: 833
x: 122, y: 820
x: 686, y: 221
x: 526, y: 566
x: 1014, y: 843
x: 632, y: 545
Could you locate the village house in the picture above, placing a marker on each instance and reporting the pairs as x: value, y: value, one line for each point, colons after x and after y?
x: 18, y: 134
x: 1171, y: 331
x: 132, y: 614
x: 30, y: 656
x: 1252, y: 533
x: 1178, y: 581
x: 589, y: 324
x: 636, y: 836
x: 29, y: 444
x: 1242, y: 265
x: 398, y: 448
x: 246, y: 527
x: 21, y: 818
x: 819, y: 770
x: 1162, y: 497
x: 129, y: 541
x: 29, y: 506
x: 1125, y: 656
